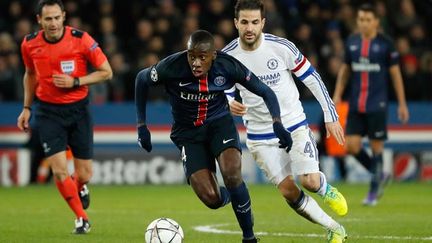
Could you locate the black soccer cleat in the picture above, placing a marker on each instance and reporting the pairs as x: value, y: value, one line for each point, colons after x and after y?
x: 84, y: 196
x: 82, y: 226
x: 254, y: 240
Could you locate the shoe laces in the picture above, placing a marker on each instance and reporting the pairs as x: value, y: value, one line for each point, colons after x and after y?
x: 331, y: 192
x: 79, y: 222
x: 84, y: 191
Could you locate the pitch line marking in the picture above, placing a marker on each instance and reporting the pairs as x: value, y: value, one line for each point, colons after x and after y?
x: 214, y: 229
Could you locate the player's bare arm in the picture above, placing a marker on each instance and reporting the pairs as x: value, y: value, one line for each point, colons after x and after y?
x: 237, y: 108
x: 341, y: 82
x: 395, y: 73
x: 102, y: 73
x: 29, y: 83
x: 335, y: 129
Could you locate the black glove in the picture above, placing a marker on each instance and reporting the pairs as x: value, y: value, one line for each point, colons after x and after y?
x: 144, y: 138
x: 284, y: 136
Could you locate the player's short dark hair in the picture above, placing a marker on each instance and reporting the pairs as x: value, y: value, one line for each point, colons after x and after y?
x: 201, y: 36
x: 43, y: 3
x: 249, y: 5
x: 367, y: 7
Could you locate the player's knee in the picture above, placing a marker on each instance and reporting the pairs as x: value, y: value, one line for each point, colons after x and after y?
x: 231, y: 168
x: 211, y: 199
x: 232, y: 175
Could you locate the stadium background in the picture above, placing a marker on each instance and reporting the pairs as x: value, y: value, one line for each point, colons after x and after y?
x: 139, y: 33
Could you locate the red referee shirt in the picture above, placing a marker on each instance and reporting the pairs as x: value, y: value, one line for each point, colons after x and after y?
x: 69, y: 55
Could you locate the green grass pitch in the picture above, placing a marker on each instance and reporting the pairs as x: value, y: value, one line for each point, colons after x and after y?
x: 122, y: 213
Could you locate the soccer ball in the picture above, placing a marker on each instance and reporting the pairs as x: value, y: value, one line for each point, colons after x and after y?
x: 164, y: 230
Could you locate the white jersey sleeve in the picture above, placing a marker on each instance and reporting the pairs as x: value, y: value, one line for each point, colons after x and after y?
x: 303, y: 70
x: 318, y: 89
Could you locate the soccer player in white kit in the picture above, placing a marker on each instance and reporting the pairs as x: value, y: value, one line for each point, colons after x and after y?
x: 273, y: 60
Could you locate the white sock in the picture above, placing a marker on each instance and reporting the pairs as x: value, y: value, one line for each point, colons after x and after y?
x: 323, y: 184
x: 309, y: 209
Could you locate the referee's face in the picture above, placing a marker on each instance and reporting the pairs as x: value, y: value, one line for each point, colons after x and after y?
x: 51, y: 20
x: 249, y: 25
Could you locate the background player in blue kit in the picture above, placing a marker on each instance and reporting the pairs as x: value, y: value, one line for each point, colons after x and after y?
x: 370, y: 58
x: 203, y: 128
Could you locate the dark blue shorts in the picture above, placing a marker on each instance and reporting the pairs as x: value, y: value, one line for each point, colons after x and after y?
x: 373, y: 124
x: 62, y: 125
x: 200, y: 146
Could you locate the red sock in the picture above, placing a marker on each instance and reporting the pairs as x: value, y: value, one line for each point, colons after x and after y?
x: 69, y: 192
x: 78, y: 184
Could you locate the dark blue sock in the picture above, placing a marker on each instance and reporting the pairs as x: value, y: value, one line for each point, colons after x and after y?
x: 241, y: 203
x: 377, y: 167
x: 225, y: 197
x: 364, y: 159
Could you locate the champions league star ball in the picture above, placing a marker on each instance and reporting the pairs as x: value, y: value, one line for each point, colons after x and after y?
x: 164, y: 230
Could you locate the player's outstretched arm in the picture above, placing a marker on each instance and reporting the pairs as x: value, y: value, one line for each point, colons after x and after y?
x: 142, y: 84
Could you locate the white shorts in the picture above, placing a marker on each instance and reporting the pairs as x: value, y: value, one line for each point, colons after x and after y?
x: 277, y: 164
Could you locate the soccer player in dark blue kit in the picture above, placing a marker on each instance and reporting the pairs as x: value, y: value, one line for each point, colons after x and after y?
x: 203, y: 129
x: 370, y: 60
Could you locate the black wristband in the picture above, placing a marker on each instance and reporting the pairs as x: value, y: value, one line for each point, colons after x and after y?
x: 76, y: 82
x: 27, y: 107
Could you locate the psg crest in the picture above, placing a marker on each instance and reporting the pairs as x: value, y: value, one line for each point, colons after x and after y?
x: 219, y: 81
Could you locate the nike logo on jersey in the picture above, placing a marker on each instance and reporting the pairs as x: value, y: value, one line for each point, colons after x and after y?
x: 184, y: 84
x: 227, y: 141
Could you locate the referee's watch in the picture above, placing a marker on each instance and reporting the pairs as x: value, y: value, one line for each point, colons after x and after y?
x: 76, y: 82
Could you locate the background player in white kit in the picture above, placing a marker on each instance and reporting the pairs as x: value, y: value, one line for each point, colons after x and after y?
x: 273, y: 60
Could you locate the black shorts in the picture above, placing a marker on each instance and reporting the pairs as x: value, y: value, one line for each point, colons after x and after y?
x: 60, y: 125
x: 373, y: 124
x: 200, y: 146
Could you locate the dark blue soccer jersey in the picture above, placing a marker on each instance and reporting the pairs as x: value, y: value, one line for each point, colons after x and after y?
x: 197, y: 101
x: 370, y: 61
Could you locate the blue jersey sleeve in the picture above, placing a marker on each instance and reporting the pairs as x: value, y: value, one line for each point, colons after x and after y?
x: 146, y: 78
x: 392, y: 54
x: 143, y: 81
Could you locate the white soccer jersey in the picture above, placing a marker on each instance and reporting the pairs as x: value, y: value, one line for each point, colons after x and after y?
x: 274, y: 61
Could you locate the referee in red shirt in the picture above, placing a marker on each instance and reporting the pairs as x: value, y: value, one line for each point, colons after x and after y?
x: 56, y: 59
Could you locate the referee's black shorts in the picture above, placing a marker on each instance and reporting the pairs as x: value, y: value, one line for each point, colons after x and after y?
x: 200, y: 146
x: 62, y: 125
